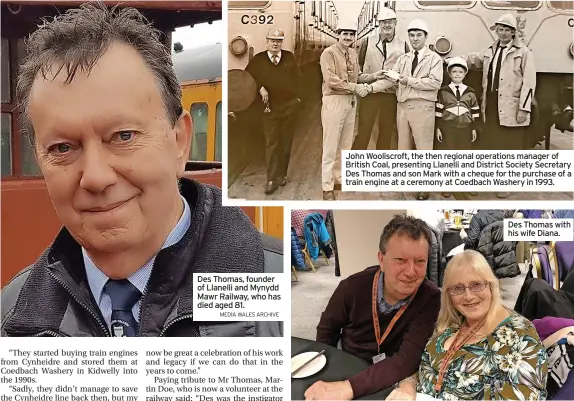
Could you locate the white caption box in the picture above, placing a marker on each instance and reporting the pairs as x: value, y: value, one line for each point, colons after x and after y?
x: 458, y: 171
x: 538, y: 229
x: 237, y: 297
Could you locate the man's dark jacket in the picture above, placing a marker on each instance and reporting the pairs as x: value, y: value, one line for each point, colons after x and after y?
x: 479, y: 221
x: 52, y: 297
x: 348, y: 318
x: 537, y: 298
x: 500, y: 254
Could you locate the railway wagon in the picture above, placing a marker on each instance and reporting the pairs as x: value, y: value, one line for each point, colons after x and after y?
x: 309, y: 26
x: 462, y: 28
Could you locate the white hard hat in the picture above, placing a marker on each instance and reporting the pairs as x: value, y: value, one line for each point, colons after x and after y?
x: 275, y: 33
x: 347, y: 26
x: 418, y: 24
x: 506, y: 20
x: 459, y: 61
x: 386, y: 13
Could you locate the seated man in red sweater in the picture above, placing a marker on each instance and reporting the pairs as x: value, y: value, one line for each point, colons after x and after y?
x: 384, y: 314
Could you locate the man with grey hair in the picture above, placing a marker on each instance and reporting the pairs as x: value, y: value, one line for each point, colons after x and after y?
x: 379, y: 52
x: 384, y: 314
x: 101, y: 100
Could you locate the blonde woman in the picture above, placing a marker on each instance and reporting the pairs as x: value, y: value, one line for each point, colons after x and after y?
x: 480, y: 350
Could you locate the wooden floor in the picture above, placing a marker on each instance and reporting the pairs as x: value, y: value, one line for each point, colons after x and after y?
x: 304, y: 176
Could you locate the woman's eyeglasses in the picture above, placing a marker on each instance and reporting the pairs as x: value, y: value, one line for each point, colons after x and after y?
x: 476, y: 286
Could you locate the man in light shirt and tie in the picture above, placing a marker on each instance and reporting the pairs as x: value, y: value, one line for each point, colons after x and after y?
x: 278, y: 81
x: 340, y: 71
x: 419, y: 75
x: 380, y: 51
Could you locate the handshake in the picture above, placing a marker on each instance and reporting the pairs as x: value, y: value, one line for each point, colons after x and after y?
x: 363, y: 89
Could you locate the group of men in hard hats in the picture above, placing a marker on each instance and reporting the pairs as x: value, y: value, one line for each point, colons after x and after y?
x: 405, y: 101
x: 399, y: 82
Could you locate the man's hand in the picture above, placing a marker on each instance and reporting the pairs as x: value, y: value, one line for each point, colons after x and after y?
x: 401, y: 393
x: 264, y: 95
x: 521, y: 116
x: 403, y: 80
x: 474, y: 135
x: 439, y: 135
x: 405, y: 391
x: 379, y: 75
x: 330, y: 391
x: 362, y: 90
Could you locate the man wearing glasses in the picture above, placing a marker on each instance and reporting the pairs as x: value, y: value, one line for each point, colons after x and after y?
x: 380, y: 52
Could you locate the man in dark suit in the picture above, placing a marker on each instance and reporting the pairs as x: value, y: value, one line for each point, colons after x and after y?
x: 278, y: 81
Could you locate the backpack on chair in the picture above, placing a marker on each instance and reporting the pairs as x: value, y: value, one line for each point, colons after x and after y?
x: 543, y: 265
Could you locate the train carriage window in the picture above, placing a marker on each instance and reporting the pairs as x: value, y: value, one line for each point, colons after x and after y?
x: 6, y: 150
x: 512, y: 4
x: 247, y: 4
x: 444, y: 3
x: 218, y: 132
x: 28, y: 165
x: 199, y: 114
x: 6, y: 76
x: 561, y: 5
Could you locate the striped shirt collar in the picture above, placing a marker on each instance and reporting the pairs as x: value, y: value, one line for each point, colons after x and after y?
x: 97, y: 279
x: 384, y: 307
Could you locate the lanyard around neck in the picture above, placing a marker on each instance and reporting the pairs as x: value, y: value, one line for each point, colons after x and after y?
x: 376, y: 314
x: 457, y: 344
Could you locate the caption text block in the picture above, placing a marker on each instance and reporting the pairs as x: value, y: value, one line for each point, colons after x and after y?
x: 475, y: 171
x: 237, y: 297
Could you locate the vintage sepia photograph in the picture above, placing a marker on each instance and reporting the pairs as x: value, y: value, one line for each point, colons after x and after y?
x: 380, y: 298
x: 308, y: 79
